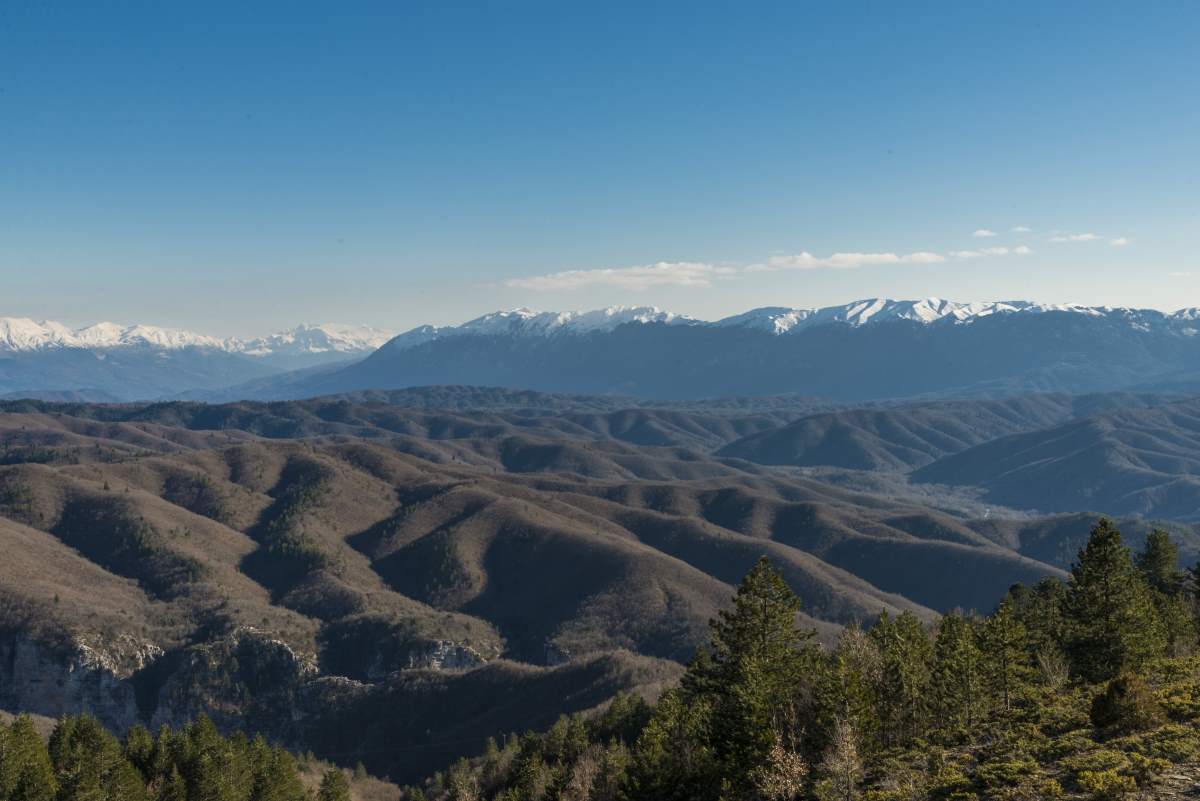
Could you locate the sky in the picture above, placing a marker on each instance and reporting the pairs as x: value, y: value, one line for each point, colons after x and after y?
x: 238, y: 168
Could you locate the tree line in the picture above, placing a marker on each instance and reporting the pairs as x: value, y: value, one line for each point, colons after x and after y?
x: 1048, y: 694
x: 84, y: 762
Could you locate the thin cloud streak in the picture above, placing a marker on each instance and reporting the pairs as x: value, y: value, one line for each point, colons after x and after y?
x: 703, y: 275
x: 843, y: 261
x: 676, y: 273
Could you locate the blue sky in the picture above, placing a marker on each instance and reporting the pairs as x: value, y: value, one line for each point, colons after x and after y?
x: 234, y: 168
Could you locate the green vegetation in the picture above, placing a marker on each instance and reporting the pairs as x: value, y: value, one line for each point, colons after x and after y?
x: 1080, y: 689
x: 85, y: 762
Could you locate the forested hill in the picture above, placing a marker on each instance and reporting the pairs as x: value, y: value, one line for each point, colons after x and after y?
x: 1087, y: 688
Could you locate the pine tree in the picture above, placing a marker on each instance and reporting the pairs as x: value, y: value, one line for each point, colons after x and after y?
x: 334, y: 786
x: 90, y: 764
x: 673, y: 759
x: 907, y: 657
x: 756, y: 663
x: 1041, y: 610
x: 28, y: 772
x: 1112, y: 625
x: 849, y: 680
x: 1004, y: 651
x: 173, y: 788
x: 1159, y: 563
x: 957, y: 675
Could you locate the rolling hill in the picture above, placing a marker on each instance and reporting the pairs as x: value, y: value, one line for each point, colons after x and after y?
x: 369, y: 566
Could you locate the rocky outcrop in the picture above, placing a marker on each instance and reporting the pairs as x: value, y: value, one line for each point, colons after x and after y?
x: 444, y: 655
x: 80, y: 675
x: 246, y: 676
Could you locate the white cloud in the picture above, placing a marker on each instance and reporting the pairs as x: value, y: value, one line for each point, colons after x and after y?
x: 1074, y: 238
x: 1021, y: 229
x: 1119, y: 242
x: 983, y: 232
x: 999, y: 250
x: 844, y: 261
x: 1180, y: 274
x: 663, y: 273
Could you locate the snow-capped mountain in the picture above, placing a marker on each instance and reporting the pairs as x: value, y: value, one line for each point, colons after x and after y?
x: 529, y: 323
x: 875, y: 348
x: 20, y: 334
x: 141, y: 361
x: 325, y: 338
x: 771, y: 319
x: 781, y: 320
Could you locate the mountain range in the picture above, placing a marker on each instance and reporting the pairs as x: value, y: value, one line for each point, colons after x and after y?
x: 109, y: 362
x: 870, y: 349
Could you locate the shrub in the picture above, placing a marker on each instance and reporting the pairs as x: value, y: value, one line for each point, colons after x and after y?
x: 1069, y: 744
x: 1100, y: 759
x: 1105, y: 785
x: 1182, y: 701
x: 1049, y: 790
x: 1126, y: 705
x: 1005, y: 773
x: 1146, y: 769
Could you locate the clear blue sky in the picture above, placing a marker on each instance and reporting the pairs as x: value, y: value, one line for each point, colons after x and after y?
x: 239, y: 167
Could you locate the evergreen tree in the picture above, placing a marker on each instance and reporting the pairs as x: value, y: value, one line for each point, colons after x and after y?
x: 173, y: 787
x: 907, y: 657
x: 1159, y: 563
x: 90, y: 764
x: 1041, y: 611
x: 757, y: 661
x: 334, y: 786
x: 1004, y: 651
x: 849, y: 681
x: 1112, y: 624
x: 957, y: 675
x: 206, y: 768
x: 673, y: 760
x: 27, y: 772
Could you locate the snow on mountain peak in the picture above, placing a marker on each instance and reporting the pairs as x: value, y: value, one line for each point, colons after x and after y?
x: 308, y: 338
x: 23, y: 334
x: 527, y: 322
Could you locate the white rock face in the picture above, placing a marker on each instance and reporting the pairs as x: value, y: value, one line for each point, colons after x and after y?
x: 87, y: 677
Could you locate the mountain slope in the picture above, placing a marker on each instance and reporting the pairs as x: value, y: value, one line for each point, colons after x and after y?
x: 1129, y: 461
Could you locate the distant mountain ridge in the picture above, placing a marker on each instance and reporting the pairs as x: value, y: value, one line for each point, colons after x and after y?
x: 866, y: 350
x: 21, y: 334
x: 870, y: 349
x: 139, y: 362
x: 526, y: 322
